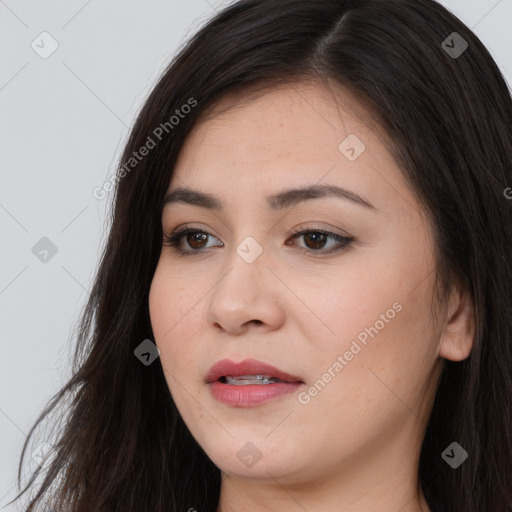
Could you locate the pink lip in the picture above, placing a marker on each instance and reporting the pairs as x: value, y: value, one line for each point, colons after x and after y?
x: 249, y: 395
x: 226, y: 367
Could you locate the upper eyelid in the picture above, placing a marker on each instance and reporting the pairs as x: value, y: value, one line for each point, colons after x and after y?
x: 299, y: 228
x: 296, y: 231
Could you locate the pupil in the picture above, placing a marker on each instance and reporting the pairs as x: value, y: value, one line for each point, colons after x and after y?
x: 197, y: 238
x: 318, y: 243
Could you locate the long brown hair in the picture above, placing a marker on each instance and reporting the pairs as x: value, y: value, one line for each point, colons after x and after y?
x: 448, y: 110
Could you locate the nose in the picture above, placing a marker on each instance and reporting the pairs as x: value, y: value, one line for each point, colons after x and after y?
x: 247, y: 295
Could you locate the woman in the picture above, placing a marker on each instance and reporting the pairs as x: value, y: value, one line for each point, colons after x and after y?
x: 303, y: 300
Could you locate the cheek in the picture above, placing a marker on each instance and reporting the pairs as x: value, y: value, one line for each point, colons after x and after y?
x: 174, y: 320
x: 341, y: 307
x: 378, y: 317
x: 167, y: 313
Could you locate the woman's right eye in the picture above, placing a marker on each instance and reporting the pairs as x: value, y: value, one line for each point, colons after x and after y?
x: 195, y: 242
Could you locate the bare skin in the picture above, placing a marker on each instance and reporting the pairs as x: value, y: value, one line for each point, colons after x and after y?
x: 354, y: 445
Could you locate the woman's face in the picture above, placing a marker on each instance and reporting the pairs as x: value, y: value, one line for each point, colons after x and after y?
x: 351, y: 321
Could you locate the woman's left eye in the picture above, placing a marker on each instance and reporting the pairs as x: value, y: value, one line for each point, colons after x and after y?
x: 315, y: 240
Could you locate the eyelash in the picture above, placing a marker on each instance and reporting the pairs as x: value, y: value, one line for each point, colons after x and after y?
x: 173, y: 240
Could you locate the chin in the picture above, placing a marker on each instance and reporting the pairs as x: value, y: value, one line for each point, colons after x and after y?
x: 254, y: 457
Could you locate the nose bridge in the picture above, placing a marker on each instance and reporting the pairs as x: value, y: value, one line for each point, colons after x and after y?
x: 249, y: 238
x: 245, y: 292
x: 247, y: 266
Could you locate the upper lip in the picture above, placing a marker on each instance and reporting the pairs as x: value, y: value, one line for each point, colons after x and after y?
x: 226, y: 367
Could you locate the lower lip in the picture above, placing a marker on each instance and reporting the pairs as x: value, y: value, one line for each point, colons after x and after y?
x: 249, y: 395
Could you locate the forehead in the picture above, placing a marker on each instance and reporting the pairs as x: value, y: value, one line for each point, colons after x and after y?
x: 289, y: 117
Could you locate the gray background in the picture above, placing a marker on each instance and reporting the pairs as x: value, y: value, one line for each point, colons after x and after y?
x: 63, y: 123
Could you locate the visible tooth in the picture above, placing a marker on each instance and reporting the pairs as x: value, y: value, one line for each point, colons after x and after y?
x: 251, y: 379
x: 260, y: 377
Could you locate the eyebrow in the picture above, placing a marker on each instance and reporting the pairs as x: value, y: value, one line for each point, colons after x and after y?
x: 285, y: 199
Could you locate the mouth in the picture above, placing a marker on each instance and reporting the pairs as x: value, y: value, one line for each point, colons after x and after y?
x: 249, y: 372
x: 249, y: 383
